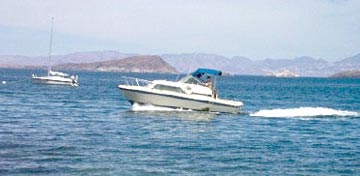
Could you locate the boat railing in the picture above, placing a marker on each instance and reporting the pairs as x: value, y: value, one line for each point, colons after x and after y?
x: 132, y: 81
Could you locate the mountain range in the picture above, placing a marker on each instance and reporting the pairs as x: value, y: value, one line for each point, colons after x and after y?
x: 187, y: 62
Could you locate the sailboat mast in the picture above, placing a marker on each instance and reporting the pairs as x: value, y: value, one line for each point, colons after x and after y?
x: 51, y: 36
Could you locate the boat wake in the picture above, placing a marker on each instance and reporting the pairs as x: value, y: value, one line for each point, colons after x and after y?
x: 149, y: 107
x: 304, y: 112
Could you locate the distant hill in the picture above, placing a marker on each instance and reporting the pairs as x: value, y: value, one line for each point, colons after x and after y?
x: 305, y: 66
x: 349, y: 63
x: 350, y: 60
x: 137, y: 64
x: 347, y: 74
x: 189, y: 62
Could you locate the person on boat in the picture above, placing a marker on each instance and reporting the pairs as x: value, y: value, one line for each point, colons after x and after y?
x: 208, y: 82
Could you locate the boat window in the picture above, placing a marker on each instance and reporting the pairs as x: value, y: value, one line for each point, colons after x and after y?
x: 168, y: 88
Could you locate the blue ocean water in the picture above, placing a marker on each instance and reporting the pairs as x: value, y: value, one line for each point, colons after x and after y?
x: 288, y: 126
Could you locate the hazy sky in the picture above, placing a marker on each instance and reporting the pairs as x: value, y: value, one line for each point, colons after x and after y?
x: 328, y: 29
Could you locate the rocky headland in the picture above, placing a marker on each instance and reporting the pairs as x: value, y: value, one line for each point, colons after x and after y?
x: 347, y: 74
x: 135, y: 64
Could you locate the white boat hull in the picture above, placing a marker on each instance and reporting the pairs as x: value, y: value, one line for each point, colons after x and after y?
x: 174, y: 101
x: 63, y: 81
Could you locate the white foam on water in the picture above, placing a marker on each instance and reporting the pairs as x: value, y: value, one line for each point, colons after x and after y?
x: 149, y: 107
x: 304, y: 112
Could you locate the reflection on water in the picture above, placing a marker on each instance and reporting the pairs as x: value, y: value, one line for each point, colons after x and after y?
x: 165, y: 112
x: 186, y: 115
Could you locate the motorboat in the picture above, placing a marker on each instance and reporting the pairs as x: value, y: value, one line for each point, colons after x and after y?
x: 195, y: 91
x: 54, y: 77
x: 57, y: 78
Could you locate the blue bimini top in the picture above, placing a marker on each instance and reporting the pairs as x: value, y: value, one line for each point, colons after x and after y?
x: 205, y: 71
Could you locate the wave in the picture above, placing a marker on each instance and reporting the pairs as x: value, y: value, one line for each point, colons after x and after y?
x: 149, y: 107
x: 304, y: 112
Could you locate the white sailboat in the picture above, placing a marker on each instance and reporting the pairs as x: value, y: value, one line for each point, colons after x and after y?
x: 54, y: 77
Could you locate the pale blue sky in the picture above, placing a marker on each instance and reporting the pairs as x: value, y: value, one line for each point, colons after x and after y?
x: 328, y: 29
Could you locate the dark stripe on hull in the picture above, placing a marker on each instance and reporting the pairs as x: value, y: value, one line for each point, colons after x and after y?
x: 173, y: 107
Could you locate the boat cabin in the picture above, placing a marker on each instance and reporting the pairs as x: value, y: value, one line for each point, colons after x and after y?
x: 201, y: 82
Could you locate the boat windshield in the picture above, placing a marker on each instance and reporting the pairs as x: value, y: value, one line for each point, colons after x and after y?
x: 190, y: 80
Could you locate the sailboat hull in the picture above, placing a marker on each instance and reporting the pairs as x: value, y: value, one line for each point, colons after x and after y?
x: 54, y: 80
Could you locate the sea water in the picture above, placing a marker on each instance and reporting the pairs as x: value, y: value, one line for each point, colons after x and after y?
x: 288, y: 126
